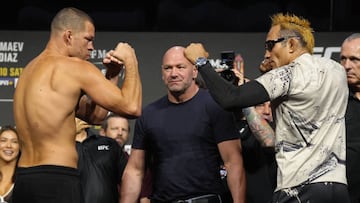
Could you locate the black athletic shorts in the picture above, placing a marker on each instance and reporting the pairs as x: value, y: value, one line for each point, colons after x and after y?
x: 47, y: 184
x: 324, y: 192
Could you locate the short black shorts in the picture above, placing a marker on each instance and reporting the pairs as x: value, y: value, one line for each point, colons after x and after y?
x: 47, y: 183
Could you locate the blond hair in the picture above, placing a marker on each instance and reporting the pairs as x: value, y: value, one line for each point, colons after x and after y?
x: 293, y: 25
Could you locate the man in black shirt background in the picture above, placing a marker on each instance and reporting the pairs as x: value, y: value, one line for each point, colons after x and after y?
x: 101, y: 165
x: 350, y: 59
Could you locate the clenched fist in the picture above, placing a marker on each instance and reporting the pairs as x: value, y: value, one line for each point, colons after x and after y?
x: 194, y: 51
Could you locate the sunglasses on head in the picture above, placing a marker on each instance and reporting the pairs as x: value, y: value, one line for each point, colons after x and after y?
x: 269, y: 44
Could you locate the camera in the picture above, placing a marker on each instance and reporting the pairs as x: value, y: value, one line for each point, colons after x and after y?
x: 227, y: 64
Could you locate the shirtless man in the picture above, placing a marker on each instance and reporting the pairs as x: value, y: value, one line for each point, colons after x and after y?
x: 46, y: 102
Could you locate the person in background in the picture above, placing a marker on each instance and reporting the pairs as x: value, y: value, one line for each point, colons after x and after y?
x: 187, y: 135
x: 9, y: 154
x: 258, y: 144
x: 309, y: 96
x: 117, y: 127
x: 101, y: 164
x: 257, y: 118
x: 350, y: 59
x: 46, y: 102
x: 257, y: 139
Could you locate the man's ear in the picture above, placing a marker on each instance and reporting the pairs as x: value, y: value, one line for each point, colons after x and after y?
x: 67, y: 36
x: 293, y: 45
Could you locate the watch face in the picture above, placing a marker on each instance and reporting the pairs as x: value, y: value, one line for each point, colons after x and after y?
x: 201, y: 61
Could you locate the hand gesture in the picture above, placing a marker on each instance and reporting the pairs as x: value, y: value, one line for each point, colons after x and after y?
x: 194, y: 51
x: 124, y: 52
x: 265, y: 65
x: 81, y: 125
x: 115, y: 59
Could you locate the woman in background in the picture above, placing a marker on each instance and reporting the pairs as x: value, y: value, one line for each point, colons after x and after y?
x: 9, y: 154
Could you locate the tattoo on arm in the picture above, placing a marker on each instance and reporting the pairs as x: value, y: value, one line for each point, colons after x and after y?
x: 259, y: 127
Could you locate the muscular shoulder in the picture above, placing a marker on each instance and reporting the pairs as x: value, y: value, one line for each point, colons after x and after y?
x: 74, y: 66
x: 50, y: 64
x: 75, y: 72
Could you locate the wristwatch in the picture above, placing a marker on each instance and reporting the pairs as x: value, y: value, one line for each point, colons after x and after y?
x: 200, y: 62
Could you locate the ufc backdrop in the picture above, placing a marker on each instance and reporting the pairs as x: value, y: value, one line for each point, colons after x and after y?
x: 17, y: 48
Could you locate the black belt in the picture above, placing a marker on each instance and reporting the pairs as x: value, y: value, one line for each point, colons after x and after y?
x: 199, y: 199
